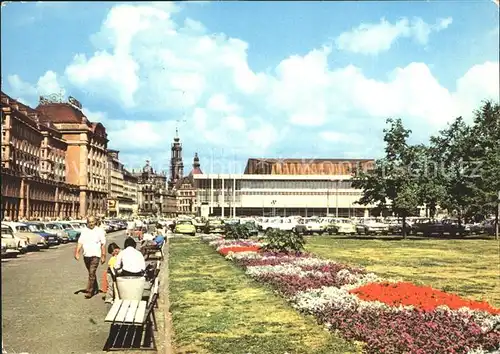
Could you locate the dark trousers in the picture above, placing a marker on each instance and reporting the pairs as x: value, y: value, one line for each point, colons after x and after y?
x: 92, y: 263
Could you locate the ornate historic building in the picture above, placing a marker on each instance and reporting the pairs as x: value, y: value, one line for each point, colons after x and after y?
x: 185, y: 190
x: 34, y: 183
x: 153, y: 192
x: 176, y: 164
x: 86, y: 154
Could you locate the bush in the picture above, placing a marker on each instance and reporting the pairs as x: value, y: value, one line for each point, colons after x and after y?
x: 236, y: 232
x: 283, y: 241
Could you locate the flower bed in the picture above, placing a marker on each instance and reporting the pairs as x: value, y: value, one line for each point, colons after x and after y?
x: 389, y: 316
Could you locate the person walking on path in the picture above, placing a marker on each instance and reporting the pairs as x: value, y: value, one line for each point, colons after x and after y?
x: 93, y: 243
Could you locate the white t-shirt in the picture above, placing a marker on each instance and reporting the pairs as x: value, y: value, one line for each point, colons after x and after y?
x: 130, y: 225
x: 130, y: 260
x: 91, y: 241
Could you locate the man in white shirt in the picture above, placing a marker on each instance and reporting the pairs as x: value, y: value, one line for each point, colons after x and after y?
x: 93, y: 243
x: 130, y: 261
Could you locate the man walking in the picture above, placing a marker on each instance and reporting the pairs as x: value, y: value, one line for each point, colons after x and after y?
x: 93, y: 242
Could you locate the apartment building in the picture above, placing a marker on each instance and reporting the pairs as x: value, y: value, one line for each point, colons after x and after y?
x: 33, y: 181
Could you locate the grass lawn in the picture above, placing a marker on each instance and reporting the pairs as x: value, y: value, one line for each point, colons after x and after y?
x: 468, y: 267
x: 216, y: 308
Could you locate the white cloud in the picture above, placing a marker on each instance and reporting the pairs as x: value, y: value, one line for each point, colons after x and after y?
x: 374, y: 38
x: 146, y: 61
x: 28, y: 94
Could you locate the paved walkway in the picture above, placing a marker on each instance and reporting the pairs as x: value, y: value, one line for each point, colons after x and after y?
x: 41, y: 314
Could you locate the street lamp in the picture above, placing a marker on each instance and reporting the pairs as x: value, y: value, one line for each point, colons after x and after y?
x: 273, y: 203
x: 337, y: 199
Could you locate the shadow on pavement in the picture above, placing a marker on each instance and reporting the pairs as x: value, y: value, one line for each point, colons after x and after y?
x: 129, y: 337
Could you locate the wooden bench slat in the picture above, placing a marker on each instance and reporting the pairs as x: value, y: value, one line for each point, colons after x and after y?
x: 140, y: 313
x: 123, y: 311
x: 113, y: 311
x: 129, y: 317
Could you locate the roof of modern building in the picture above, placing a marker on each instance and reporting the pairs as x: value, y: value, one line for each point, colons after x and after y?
x: 304, y: 166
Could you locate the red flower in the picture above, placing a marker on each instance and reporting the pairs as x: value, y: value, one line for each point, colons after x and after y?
x: 422, y: 297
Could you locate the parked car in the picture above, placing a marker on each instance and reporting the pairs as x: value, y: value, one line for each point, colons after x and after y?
x: 37, y: 228
x: 72, y: 233
x: 13, y: 245
x: 58, y: 230
x: 185, y: 227
x: 198, y: 224
x: 341, y: 226
x: 309, y: 226
x: 369, y: 226
x: 214, y: 226
x: 33, y: 240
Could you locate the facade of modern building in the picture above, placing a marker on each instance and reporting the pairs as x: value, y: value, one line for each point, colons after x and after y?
x: 284, y: 187
x: 34, y: 183
x: 86, y: 156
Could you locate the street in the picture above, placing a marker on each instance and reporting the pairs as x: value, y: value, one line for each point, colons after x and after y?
x: 40, y: 311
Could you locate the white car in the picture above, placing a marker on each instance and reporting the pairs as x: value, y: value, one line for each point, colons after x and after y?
x: 22, y: 231
x: 369, y: 226
x: 310, y: 226
x: 13, y: 245
x: 341, y: 226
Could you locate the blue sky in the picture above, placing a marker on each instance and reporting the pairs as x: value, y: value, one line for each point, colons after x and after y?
x: 254, y: 79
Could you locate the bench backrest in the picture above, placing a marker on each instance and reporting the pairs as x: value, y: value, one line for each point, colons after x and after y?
x: 155, y: 289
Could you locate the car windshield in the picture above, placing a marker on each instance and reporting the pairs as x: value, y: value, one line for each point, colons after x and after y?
x: 22, y: 228
x: 54, y: 227
x: 67, y: 227
x: 35, y: 228
x: 184, y: 222
x: 215, y: 222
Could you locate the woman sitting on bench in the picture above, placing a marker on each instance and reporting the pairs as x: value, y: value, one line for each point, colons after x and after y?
x: 130, y: 262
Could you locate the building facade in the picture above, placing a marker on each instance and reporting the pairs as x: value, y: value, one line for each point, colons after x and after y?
x: 86, y: 155
x: 122, y: 188
x: 185, y: 191
x: 323, y: 187
x: 34, y: 183
x: 153, y: 192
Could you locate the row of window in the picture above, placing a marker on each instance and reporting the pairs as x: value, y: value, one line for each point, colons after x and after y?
x: 274, y: 184
x: 202, y: 193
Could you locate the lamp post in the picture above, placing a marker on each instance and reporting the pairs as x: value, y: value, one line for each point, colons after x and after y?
x: 337, y: 199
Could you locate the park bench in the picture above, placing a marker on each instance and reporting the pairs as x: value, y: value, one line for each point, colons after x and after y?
x: 157, y: 252
x: 133, y: 323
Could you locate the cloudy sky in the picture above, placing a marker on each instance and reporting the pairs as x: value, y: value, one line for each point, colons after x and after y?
x: 255, y: 79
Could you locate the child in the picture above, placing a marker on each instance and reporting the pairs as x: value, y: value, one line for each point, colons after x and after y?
x: 113, y: 250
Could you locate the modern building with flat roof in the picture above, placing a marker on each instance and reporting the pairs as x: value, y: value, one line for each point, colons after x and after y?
x: 284, y: 187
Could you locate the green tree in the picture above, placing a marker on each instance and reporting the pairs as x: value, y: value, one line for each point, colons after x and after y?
x: 393, y: 183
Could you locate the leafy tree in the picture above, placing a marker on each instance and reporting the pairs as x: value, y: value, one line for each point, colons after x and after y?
x: 394, y: 178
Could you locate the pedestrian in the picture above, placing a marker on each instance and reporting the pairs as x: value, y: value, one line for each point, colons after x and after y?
x: 113, y: 250
x: 93, y: 243
x: 130, y: 261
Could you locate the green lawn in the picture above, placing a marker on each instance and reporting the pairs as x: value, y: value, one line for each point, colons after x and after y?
x: 217, y: 309
x: 468, y: 267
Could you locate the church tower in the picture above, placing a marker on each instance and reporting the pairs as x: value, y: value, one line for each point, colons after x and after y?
x: 176, y: 165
